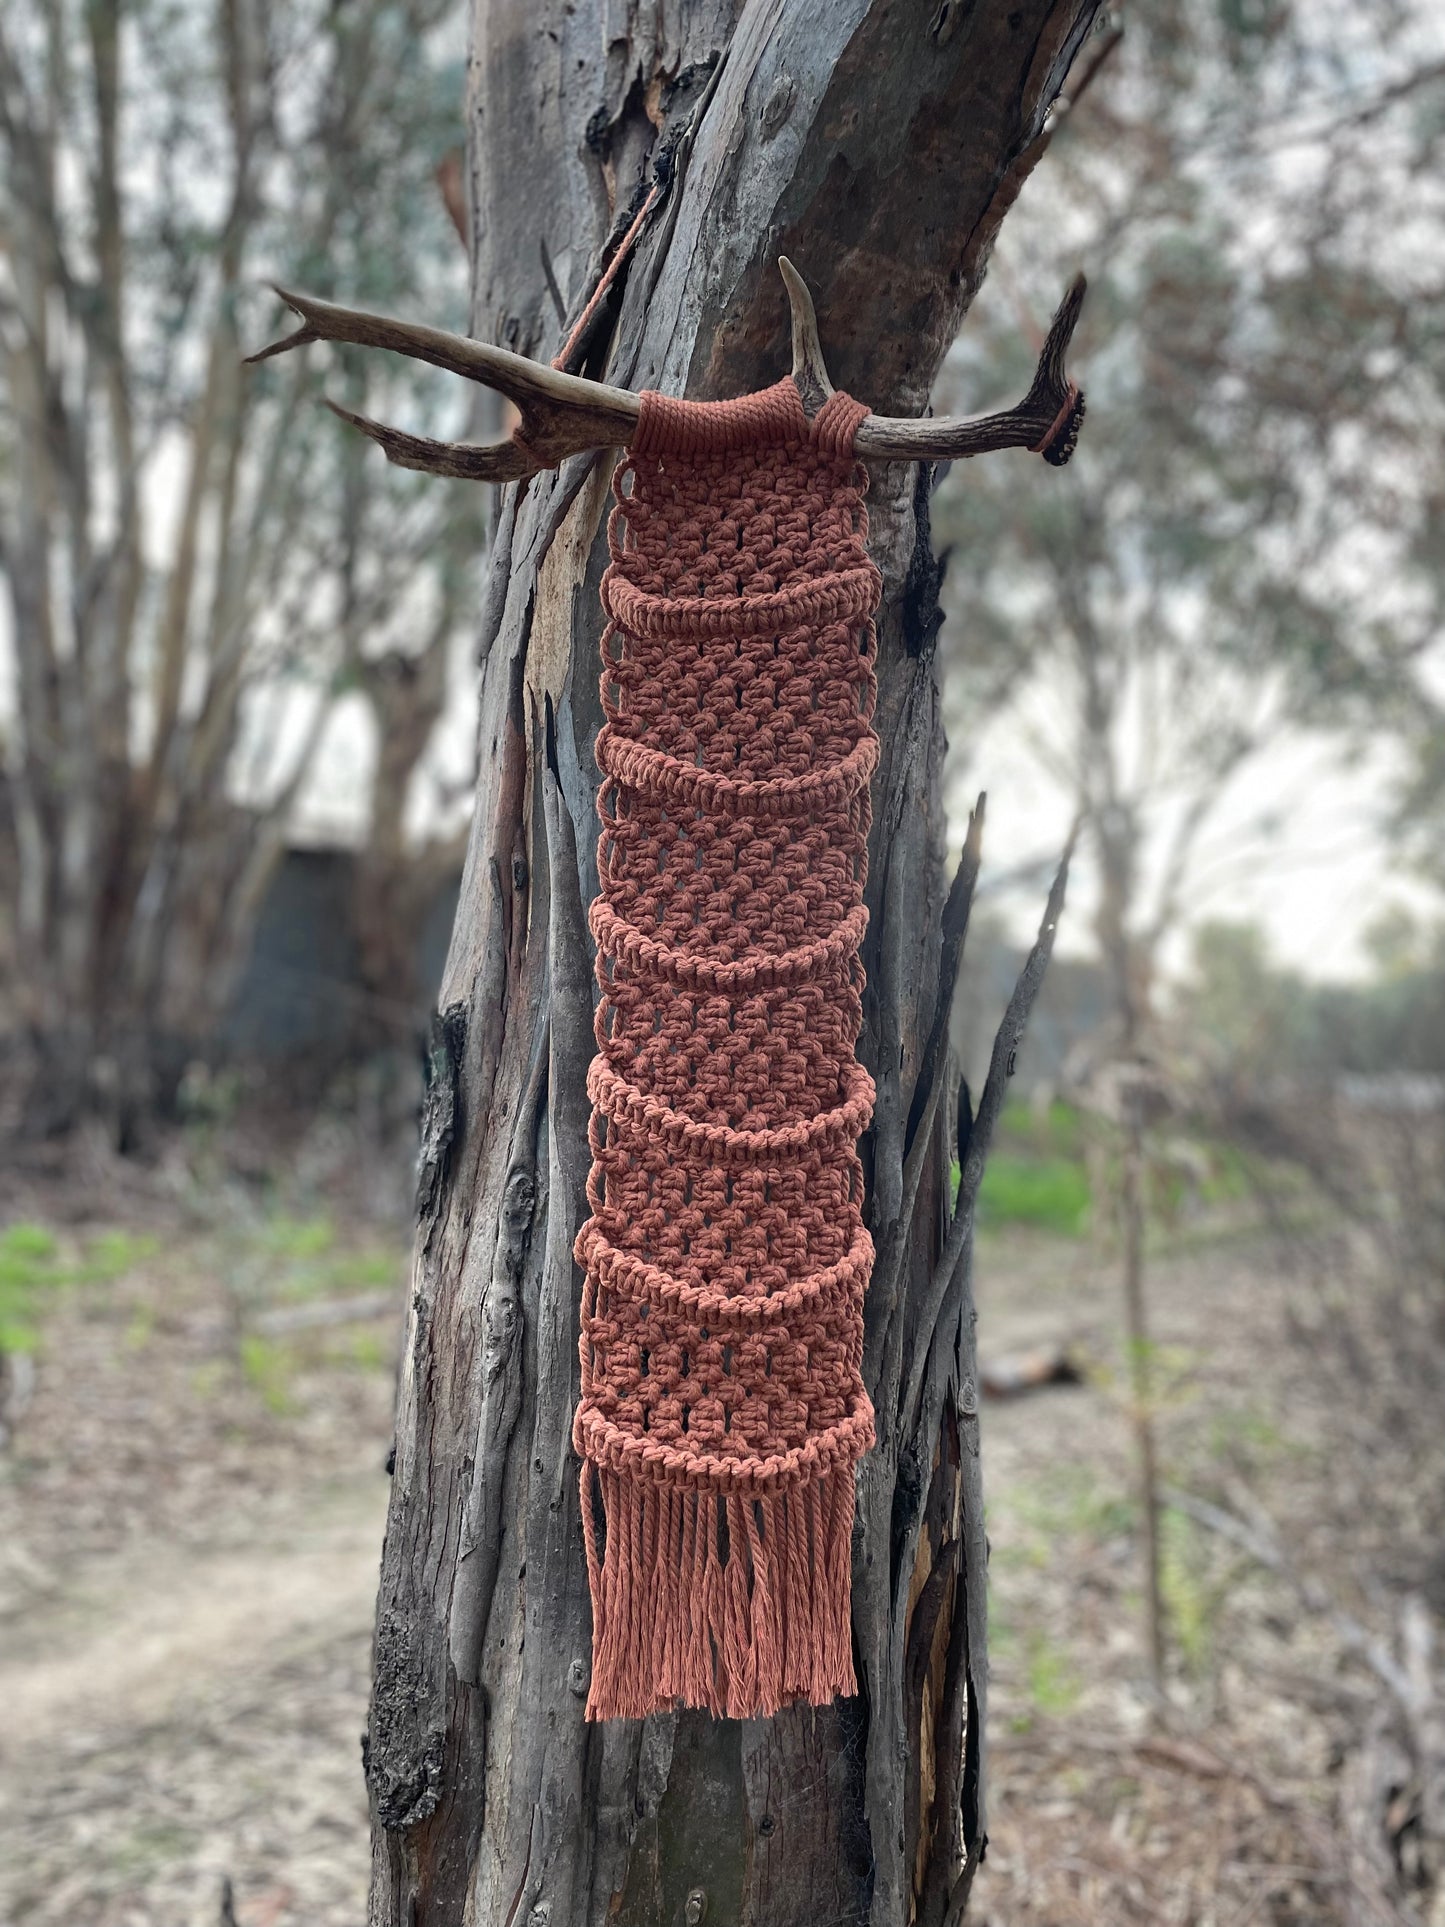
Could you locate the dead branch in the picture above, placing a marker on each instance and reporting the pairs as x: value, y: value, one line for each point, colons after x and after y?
x: 1020, y: 1372
x: 358, y: 1309
x: 956, y: 913
x: 1007, y: 1038
x: 1010, y: 1034
x: 564, y: 415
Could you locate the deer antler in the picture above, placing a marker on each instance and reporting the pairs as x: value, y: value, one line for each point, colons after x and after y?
x: 561, y: 414
x: 566, y: 415
x: 1046, y: 421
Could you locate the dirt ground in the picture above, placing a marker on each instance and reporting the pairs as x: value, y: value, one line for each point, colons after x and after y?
x: 191, y: 1514
x: 1218, y: 1809
x: 190, y: 1521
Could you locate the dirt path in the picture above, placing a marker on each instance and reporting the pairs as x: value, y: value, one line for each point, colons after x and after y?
x: 183, y: 1716
x: 190, y: 1530
x: 158, y: 1624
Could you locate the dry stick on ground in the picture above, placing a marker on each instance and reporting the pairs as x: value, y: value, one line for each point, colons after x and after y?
x: 1265, y: 1550
x: 1412, y: 1684
x: 1034, y: 1371
x: 355, y: 1310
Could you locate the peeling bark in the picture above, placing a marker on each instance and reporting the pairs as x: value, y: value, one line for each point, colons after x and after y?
x: 879, y: 145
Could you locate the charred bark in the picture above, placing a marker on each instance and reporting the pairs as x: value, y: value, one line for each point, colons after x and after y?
x: 879, y: 146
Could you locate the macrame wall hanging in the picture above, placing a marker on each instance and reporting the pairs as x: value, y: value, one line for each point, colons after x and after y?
x: 723, y: 1408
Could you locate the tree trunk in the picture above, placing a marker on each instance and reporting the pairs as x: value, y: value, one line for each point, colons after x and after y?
x: 880, y: 146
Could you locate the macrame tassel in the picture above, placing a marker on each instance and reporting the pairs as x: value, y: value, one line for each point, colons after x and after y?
x: 737, y: 1605
x: 723, y: 1409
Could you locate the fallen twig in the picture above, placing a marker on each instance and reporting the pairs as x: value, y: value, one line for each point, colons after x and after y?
x: 1033, y: 1371
x: 324, y: 1311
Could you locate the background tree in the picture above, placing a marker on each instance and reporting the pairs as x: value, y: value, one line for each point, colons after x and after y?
x: 881, y: 149
x: 196, y: 564
x: 1262, y: 353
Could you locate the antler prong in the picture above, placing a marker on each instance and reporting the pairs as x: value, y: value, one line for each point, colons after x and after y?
x: 1046, y: 421
x: 465, y: 461
x: 810, y: 371
x: 302, y: 336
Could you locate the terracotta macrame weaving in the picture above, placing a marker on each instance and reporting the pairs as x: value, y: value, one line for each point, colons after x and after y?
x: 723, y: 1407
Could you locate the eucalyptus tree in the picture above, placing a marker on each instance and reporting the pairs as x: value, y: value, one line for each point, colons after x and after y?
x: 195, y: 562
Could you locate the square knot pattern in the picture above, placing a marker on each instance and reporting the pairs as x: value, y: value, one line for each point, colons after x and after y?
x: 723, y: 1409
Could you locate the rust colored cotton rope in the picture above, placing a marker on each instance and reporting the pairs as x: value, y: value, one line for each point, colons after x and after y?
x: 723, y: 1408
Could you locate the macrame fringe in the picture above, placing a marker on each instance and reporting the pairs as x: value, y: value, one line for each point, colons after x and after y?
x: 736, y: 1604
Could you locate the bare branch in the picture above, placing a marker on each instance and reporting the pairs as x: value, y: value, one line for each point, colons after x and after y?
x: 1080, y: 80
x: 929, y: 1087
x: 1010, y: 1034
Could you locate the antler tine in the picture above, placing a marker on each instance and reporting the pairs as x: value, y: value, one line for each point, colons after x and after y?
x: 810, y: 371
x: 561, y: 414
x: 1046, y: 421
x: 464, y: 461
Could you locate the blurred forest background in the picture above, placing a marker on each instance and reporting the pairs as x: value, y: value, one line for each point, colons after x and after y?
x: 236, y: 721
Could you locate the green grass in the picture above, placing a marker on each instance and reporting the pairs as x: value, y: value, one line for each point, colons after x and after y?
x: 1035, y: 1175
x: 1054, y: 1686
x: 1229, y: 1180
x: 1045, y: 1669
x: 1072, y: 1500
x: 367, y: 1352
x: 1058, y: 1132
x: 1050, y: 1194
x: 111, y: 1256
x: 1039, y: 1175
x: 33, y: 1268
x: 1192, y: 1599
x: 288, y: 1259
x: 296, y: 1240
x: 29, y: 1268
x: 1246, y: 1436
x: 296, y: 1258
x: 269, y: 1369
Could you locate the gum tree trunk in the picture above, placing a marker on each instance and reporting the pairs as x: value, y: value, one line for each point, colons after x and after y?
x: 879, y: 145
